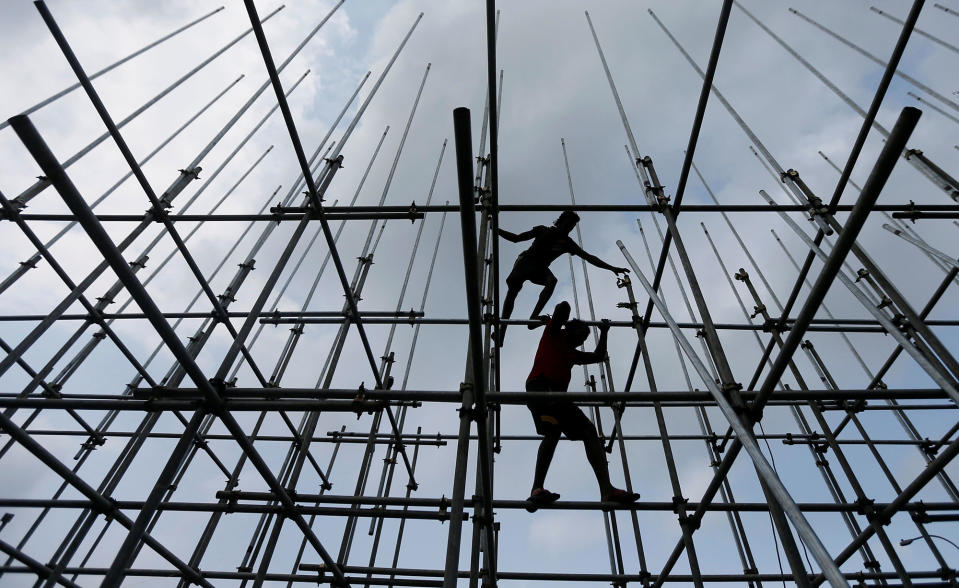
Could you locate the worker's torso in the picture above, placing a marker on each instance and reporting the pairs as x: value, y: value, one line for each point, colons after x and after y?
x: 549, y: 244
x: 554, y: 360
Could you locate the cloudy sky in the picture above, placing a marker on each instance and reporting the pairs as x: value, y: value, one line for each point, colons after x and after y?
x: 554, y: 88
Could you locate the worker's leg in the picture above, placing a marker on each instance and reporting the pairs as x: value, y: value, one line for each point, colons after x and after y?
x: 597, y: 460
x: 543, y: 458
x: 513, y: 288
x: 548, y: 280
x: 514, y: 284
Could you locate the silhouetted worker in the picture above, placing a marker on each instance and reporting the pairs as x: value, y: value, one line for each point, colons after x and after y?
x: 552, y: 369
x: 533, y: 264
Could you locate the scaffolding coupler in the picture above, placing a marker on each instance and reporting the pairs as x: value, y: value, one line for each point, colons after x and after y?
x: 919, y: 514
x: 680, y: 505
x: 358, y: 399
x: 95, y: 440
x: 443, y: 510
x: 413, y: 212
x: 929, y: 447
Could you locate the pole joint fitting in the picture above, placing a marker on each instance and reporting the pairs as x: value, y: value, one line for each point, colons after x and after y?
x: 443, y: 511
x: 679, y: 505
x: 230, y: 504
x: 866, y: 507
x: 413, y: 212
x: 95, y: 440
x: 919, y: 515
x: 358, y: 400
x: 107, y: 510
x: 929, y: 448
x: 790, y: 174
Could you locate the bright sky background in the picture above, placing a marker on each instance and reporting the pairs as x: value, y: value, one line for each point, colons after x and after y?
x: 553, y: 88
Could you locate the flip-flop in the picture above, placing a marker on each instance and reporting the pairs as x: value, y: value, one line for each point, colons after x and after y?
x: 621, y: 497
x: 541, y: 499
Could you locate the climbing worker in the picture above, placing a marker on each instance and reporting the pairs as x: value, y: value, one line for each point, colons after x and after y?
x: 552, y: 369
x: 533, y: 264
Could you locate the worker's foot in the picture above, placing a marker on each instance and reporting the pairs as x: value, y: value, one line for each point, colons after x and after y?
x: 621, y: 496
x: 539, y: 321
x: 540, y: 497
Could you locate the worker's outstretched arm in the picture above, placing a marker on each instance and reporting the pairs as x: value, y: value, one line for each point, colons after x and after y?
x: 513, y: 237
x: 598, y: 354
x: 559, y: 318
x: 592, y: 259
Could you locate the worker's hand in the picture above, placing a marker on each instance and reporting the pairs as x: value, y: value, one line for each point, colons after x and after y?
x: 604, y: 326
x: 621, y: 270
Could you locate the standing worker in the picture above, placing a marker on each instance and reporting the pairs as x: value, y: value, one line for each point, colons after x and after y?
x: 552, y: 369
x: 533, y: 264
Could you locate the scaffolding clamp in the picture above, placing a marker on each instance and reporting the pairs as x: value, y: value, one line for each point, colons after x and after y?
x: 30, y: 263
x: 758, y: 310
x: 230, y: 503
x: 679, y: 505
x: 911, y: 210
x: 96, y: 439
x: 919, y: 514
x: 358, y: 400
x: 107, y: 510
x: 771, y: 325
x: 413, y: 212
x: 929, y: 448
x: 443, y: 512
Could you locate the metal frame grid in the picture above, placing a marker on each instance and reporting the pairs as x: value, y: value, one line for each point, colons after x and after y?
x: 215, y: 417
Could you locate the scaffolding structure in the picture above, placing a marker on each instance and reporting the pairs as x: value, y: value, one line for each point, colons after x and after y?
x: 277, y: 518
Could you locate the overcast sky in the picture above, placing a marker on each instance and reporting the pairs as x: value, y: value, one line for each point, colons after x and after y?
x: 554, y: 88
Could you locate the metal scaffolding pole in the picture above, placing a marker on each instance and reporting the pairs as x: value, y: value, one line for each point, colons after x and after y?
x: 281, y: 437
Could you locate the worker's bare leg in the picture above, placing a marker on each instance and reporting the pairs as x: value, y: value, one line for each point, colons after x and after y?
x: 549, y: 284
x: 514, y: 285
x: 543, y: 458
x: 597, y: 459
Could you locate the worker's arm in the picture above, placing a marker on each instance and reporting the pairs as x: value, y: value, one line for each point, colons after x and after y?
x: 592, y: 259
x: 559, y: 318
x: 513, y: 237
x: 598, y: 354
x: 575, y: 249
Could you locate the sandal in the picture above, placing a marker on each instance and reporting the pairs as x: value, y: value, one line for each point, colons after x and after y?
x: 539, y: 498
x: 621, y: 496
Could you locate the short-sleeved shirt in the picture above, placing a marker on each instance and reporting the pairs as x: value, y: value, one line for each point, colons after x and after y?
x: 548, y: 244
x: 554, y: 359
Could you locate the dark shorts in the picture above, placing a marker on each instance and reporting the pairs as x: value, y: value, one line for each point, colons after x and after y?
x: 530, y: 268
x: 553, y: 418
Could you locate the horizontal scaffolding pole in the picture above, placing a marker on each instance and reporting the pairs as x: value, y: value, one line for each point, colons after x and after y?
x: 342, y: 216
x: 338, y: 315
x: 418, y: 318
x: 442, y: 504
x: 352, y: 400
x: 414, y: 212
x: 439, y: 440
x: 821, y: 325
x: 619, y: 579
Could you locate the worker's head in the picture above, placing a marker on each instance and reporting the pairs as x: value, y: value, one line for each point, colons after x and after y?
x: 566, y: 221
x: 576, y: 332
